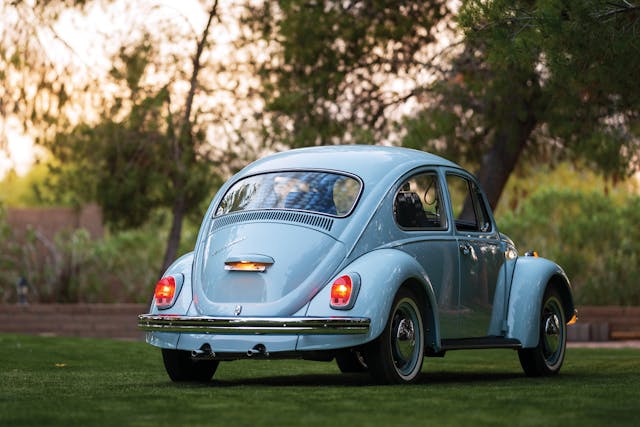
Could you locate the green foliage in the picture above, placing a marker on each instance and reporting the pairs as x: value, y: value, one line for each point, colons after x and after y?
x: 119, y: 165
x: 576, y: 177
x: 595, y: 238
x: 329, y: 80
x: 29, y: 190
x: 134, y: 161
x: 122, y: 267
x: 81, y: 382
x: 579, y: 53
x: 537, y: 82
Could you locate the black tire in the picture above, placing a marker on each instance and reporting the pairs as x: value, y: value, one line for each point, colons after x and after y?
x: 181, y: 367
x: 351, y: 361
x: 546, y: 359
x: 396, y: 356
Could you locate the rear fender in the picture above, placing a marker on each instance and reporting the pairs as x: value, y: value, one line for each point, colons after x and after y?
x: 180, y: 266
x: 183, y: 302
x: 382, y: 273
x: 531, y: 278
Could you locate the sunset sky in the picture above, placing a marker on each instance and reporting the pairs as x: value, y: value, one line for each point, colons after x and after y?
x: 88, y: 48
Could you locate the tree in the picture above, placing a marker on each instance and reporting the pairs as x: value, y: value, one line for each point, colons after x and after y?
x: 33, y: 91
x: 544, y: 79
x: 340, y: 68
x: 160, y: 126
x: 540, y: 79
x: 578, y: 98
x: 149, y: 149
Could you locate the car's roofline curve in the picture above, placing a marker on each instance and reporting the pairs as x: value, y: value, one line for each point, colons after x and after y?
x: 369, y: 162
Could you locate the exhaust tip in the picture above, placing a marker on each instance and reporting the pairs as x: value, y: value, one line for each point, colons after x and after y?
x: 204, y: 352
x: 259, y: 350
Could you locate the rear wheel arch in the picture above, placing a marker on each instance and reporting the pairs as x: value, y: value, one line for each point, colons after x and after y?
x: 396, y: 356
x: 428, y: 311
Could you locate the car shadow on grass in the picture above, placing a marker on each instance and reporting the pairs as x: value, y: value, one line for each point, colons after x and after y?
x: 358, y: 380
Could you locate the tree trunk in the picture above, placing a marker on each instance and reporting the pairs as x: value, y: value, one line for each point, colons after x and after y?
x: 508, y: 142
x: 514, y: 120
x: 183, y: 144
x: 173, y: 241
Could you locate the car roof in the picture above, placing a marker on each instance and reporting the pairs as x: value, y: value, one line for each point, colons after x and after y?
x: 369, y: 162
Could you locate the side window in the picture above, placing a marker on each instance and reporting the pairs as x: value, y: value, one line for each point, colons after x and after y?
x: 469, y: 211
x: 418, y: 203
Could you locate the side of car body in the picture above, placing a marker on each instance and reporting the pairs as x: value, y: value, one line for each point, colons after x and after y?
x: 410, y: 234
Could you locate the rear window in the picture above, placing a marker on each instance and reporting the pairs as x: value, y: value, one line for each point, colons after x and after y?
x: 327, y: 193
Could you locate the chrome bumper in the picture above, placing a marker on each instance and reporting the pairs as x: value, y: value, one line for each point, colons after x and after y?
x: 254, y: 325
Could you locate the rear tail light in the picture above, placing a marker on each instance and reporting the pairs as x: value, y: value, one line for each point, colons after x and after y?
x: 344, y: 291
x: 167, y: 290
x: 341, y: 291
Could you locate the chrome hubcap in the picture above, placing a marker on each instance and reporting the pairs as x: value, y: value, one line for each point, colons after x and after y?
x: 553, y: 334
x: 405, y: 339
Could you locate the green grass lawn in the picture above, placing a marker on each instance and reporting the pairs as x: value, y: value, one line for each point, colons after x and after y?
x: 86, y: 382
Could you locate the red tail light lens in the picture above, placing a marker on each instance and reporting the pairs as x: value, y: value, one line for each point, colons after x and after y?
x: 165, y: 291
x: 344, y: 291
x: 341, y: 292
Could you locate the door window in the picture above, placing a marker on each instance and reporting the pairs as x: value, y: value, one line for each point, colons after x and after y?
x: 418, y: 203
x: 469, y: 210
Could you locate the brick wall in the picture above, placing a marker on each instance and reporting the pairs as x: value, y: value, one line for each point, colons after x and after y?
x: 606, y: 323
x: 49, y: 221
x: 119, y: 321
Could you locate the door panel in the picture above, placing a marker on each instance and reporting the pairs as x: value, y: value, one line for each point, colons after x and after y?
x: 481, y: 256
x: 480, y: 263
x: 419, y: 213
x: 438, y: 255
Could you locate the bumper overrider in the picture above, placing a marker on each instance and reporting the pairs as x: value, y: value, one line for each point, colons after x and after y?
x: 254, y: 325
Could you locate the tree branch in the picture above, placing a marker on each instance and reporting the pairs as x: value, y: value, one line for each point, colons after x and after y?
x: 617, y: 8
x: 193, y: 84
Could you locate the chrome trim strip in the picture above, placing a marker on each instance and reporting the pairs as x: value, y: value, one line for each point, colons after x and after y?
x: 254, y: 325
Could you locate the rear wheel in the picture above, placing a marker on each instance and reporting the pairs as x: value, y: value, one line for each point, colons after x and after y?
x: 396, y: 355
x: 181, y: 367
x: 351, y: 361
x: 546, y: 359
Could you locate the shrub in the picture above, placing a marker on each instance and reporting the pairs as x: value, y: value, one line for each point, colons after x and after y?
x: 73, y: 268
x: 595, y: 238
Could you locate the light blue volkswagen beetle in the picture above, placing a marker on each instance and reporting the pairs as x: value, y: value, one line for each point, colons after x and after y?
x: 373, y: 256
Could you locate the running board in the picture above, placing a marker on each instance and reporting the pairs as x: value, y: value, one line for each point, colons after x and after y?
x: 476, y: 344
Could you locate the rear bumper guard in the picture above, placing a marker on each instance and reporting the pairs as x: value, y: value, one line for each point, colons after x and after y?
x: 254, y: 325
